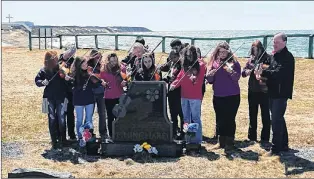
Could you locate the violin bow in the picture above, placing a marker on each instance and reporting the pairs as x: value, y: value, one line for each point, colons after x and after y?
x: 229, y: 58
x: 257, y: 62
x: 190, y: 67
x: 60, y: 69
x: 136, y: 71
x: 85, y: 85
x: 207, y: 52
x: 171, y: 65
x: 157, y: 67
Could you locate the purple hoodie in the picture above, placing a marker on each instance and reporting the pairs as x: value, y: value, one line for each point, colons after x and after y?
x: 224, y: 83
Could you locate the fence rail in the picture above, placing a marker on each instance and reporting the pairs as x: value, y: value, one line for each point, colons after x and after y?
x: 163, y: 38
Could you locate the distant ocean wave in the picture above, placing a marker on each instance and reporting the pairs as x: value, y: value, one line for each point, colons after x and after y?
x: 297, y: 45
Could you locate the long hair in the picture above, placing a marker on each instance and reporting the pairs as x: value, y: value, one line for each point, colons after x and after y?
x: 184, y: 57
x: 260, y: 51
x: 50, y: 60
x: 76, y: 71
x: 214, y: 56
x: 148, y: 55
x: 107, y: 68
x: 94, y: 56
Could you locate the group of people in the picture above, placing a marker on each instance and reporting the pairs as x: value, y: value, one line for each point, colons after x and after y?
x: 81, y: 82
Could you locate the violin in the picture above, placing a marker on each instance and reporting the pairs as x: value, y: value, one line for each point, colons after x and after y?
x: 63, y: 71
x: 157, y: 76
x: 94, y: 75
x: 228, y: 66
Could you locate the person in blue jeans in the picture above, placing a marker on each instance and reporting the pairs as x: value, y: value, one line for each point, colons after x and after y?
x: 280, y: 80
x: 55, y: 92
x: 83, y: 98
x: 191, y: 78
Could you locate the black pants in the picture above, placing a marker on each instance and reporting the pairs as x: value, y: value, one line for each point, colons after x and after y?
x: 110, y: 103
x: 56, y: 121
x: 101, y: 110
x: 279, y: 128
x: 174, y: 100
x: 259, y: 99
x: 70, y: 122
x: 226, y: 109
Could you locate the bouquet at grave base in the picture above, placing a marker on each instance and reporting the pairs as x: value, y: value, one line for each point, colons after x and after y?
x: 190, y: 129
x: 87, y: 136
x: 145, y: 148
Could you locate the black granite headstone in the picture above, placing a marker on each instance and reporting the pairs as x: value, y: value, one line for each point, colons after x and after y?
x: 146, y: 116
x: 143, y: 119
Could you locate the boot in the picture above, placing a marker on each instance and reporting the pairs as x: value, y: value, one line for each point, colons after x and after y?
x: 229, y: 143
x: 221, y: 142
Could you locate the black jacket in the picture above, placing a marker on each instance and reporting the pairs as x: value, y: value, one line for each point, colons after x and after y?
x: 57, y: 87
x: 172, y: 70
x: 280, y: 75
x: 253, y: 84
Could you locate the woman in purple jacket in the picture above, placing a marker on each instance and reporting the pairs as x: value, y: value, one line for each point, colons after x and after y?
x: 226, y: 99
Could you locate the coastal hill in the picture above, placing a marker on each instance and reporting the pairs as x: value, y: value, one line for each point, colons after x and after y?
x: 15, y: 34
x: 75, y: 29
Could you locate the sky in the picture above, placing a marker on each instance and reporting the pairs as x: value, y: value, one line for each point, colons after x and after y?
x: 167, y: 15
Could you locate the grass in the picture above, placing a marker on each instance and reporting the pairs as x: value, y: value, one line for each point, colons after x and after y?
x: 22, y: 120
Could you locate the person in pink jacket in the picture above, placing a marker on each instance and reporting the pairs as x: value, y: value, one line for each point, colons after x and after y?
x: 191, y: 78
x: 111, y: 74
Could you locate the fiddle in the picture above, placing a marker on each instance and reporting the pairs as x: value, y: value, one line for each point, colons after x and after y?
x: 228, y: 66
x: 63, y: 70
x: 95, y: 77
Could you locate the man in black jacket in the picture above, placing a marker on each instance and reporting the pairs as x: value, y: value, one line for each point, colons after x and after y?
x: 280, y: 79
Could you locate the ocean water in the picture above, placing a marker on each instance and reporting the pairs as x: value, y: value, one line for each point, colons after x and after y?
x: 298, y: 46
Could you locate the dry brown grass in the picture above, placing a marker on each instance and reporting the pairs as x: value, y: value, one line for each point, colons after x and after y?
x: 22, y: 120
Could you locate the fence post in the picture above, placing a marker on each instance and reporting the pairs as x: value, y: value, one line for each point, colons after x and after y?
x: 39, y: 38
x: 96, y: 41
x: 30, y: 40
x: 265, y: 42
x: 45, y: 38
x: 76, y: 41
x: 192, y: 41
x: 163, y: 44
x: 310, y: 55
x: 51, y: 37
x: 60, y: 37
x: 116, y: 41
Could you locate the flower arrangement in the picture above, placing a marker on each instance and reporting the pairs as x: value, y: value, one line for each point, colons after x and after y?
x: 190, y: 129
x: 144, y: 152
x: 87, y: 136
x: 139, y: 148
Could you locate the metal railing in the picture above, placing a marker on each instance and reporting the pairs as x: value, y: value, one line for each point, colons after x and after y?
x: 193, y: 39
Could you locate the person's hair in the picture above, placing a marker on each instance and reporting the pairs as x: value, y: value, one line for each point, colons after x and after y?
x: 76, y: 69
x: 138, y: 45
x: 50, y: 60
x: 260, y: 51
x: 283, y: 36
x: 148, y: 55
x: 221, y: 45
x: 106, y: 67
x: 140, y: 40
x: 173, y: 54
x: 185, y: 62
x: 94, y: 56
x: 198, y: 51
